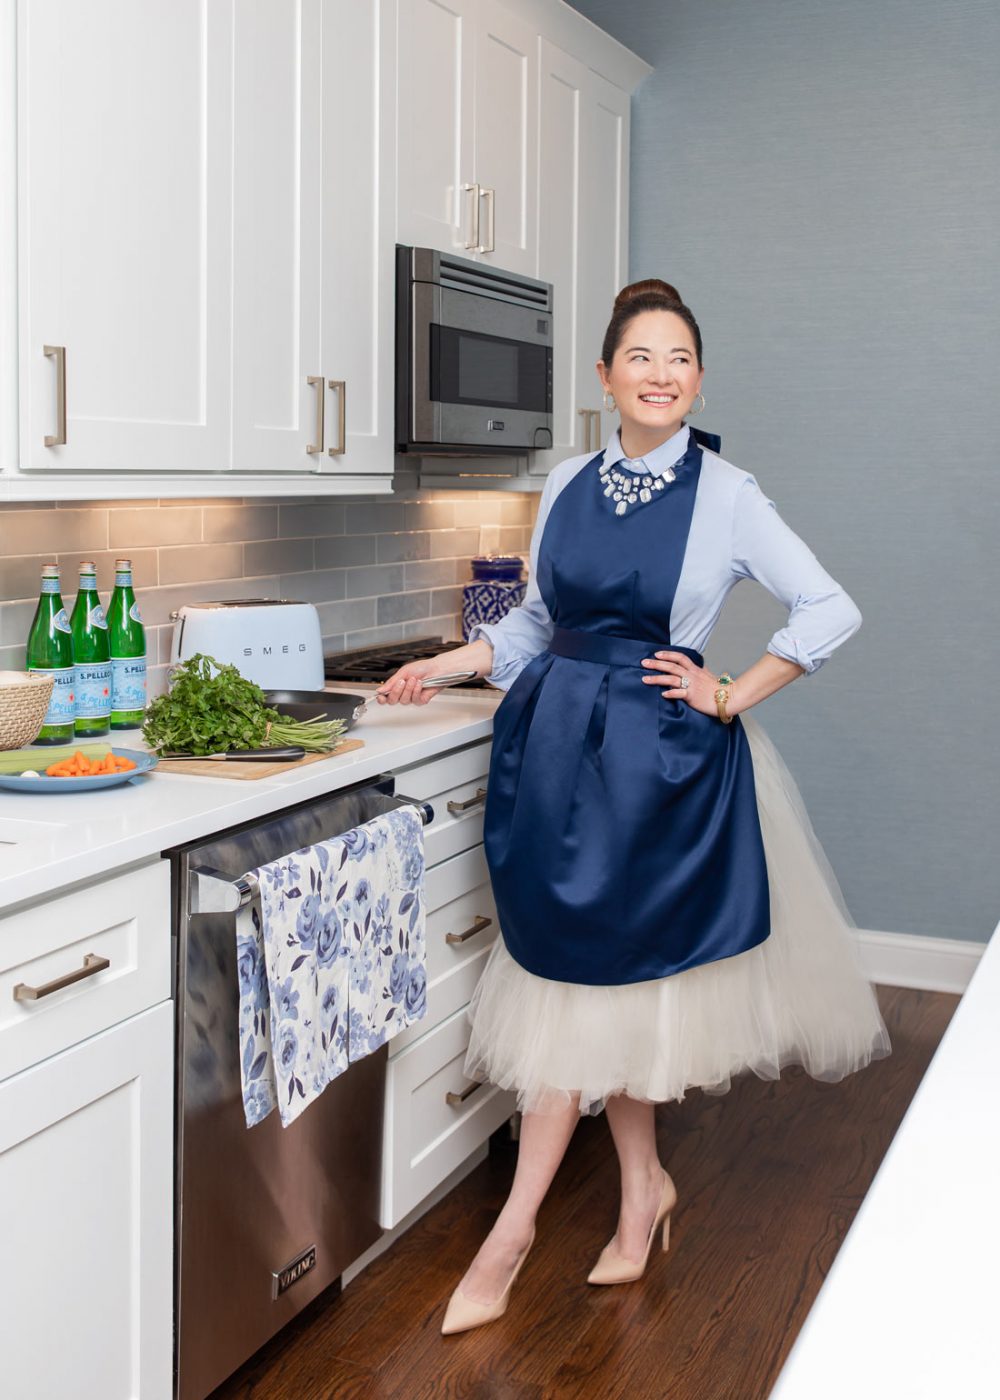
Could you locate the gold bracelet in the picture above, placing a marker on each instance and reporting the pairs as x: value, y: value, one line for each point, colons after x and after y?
x: 722, y: 697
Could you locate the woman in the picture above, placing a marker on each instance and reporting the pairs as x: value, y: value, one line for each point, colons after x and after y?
x: 668, y: 917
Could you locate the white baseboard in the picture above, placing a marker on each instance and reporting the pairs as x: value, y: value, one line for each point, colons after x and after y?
x: 911, y: 960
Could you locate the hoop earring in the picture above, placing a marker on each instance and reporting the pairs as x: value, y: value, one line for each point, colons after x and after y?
x: 692, y: 411
x: 609, y: 402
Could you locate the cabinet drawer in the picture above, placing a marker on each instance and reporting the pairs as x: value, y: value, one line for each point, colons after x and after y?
x: 426, y: 1137
x: 461, y: 927
x: 125, y: 920
x: 458, y: 779
x: 437, y: 775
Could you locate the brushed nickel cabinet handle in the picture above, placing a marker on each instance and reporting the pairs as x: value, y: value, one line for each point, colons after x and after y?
x: 317, y: 381
x: 340, y: 388
x: 478, y: 924
x: 591, y: 428
x: 472, y: 242
x: 92, y: 964
x: 456, y: 1099
x: 58, y: 353
x: 457, y: 808
x: 490, y: 246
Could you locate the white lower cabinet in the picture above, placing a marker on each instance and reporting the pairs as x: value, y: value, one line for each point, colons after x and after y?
x: 434, y: 1117
x: 86, y: 1218
x: 86, y: 1142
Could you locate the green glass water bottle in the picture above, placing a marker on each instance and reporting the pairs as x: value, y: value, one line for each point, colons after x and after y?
x: 50, y: 653
x: 127, y: 638
x: 91, y: 658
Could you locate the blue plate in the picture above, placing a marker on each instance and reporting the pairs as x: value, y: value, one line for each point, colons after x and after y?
x: 17, y: 782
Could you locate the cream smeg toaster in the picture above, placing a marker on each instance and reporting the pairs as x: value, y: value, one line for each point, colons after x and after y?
x: 272, y: 641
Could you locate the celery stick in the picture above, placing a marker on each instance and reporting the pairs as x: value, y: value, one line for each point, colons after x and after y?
x: 37, y: 760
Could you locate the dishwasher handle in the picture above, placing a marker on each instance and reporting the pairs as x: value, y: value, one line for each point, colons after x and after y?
x: 211, y: 891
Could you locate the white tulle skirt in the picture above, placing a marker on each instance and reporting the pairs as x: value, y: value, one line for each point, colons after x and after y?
x: 800, y: 997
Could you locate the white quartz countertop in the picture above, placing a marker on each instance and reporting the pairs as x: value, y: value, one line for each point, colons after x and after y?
x: 49, y: 841
x: 909, y: 1308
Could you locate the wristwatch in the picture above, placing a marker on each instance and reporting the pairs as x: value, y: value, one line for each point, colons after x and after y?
x: 722, y: 697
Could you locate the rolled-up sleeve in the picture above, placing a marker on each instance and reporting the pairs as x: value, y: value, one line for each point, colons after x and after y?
x: 527, y: 629
x: 821, y: 615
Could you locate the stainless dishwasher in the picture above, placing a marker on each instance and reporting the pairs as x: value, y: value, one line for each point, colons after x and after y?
x: 266, y: 1217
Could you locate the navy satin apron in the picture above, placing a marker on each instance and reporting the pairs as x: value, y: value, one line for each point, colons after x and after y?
x: 621, y: 829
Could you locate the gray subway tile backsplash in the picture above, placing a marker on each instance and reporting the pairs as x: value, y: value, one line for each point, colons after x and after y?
x: 240, y: 522
x: 390, y: 549
x: 402, y: 607
x: 378, y: 571
x: 373, y: 579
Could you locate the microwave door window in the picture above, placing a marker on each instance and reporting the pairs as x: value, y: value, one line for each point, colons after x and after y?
x: 488, y: 371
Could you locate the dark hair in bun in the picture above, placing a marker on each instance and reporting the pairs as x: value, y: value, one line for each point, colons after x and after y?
x: 632, y: 301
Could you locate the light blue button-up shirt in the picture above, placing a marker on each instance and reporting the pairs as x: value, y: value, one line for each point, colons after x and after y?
x: 736, y: 533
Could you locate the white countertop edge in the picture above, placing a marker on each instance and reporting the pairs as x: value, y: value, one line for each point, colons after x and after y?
x: 98, y: 832
x: 909, y: 1305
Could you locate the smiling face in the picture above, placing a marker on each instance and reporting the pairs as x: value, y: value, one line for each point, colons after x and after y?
x: 655, y: 378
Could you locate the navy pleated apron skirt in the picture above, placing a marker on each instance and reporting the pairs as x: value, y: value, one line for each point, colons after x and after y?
x: 621, y: 829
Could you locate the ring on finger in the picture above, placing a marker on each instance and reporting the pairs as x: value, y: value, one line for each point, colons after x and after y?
x: 685, y: 682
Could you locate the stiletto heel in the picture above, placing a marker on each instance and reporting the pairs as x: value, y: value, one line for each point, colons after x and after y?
x: 464, y: 1313
x: 612, y: 1268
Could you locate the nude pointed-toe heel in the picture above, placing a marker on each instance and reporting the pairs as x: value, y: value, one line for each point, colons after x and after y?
x: 612, y: 1268
x: 464, y: 1313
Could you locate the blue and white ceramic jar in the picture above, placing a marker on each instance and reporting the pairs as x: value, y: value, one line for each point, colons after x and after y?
x: 496, y: 586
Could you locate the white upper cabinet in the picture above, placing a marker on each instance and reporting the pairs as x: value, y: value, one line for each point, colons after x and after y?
x: 506, y: 152
x: 312, y: 263
x: 358, y: 304
x: 582, y: 239
x: 278, y: 384
x: 124, y: 124
x: 208, y: 195
x: 434, y: 123
x: 468, y: 131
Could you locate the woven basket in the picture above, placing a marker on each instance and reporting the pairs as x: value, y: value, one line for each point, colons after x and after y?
x: 23, y: 703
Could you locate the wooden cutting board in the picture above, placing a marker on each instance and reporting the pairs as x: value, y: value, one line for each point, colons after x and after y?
x: 249, y: 770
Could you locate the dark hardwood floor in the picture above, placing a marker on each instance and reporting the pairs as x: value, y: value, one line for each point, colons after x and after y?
x: 769, y: 1178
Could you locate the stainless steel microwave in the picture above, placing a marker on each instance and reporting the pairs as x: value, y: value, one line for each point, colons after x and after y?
x: 473, y: 357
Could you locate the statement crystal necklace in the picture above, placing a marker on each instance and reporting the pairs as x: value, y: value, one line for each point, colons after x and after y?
x: 626, y: 488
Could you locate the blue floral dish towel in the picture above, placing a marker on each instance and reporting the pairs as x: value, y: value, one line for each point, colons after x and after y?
x: 333, y: 962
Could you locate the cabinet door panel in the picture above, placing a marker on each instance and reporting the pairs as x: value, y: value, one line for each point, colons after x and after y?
x: 563, y: 97
x: 276, y: 235
x: 124, y: 225
x: 506, y: 157
x: 603, y: 254
x: 86, y: 1213
x: 434, y: 122
x: 358, y: 219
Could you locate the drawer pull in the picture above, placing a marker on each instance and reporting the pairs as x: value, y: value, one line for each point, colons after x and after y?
x: 457, y: 808
x: 91, y: 964
x: 478, y: 924
x: 456, y: 1099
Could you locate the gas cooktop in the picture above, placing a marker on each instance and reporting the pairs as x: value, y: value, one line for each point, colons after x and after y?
x: 372, y: 665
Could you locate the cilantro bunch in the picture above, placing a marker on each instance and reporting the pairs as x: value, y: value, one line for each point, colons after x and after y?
x: 224, y: 712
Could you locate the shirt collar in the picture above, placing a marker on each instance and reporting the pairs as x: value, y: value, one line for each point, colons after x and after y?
x: 653, y: 463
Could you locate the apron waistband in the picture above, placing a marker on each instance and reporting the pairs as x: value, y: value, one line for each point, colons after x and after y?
x: 611, y: 651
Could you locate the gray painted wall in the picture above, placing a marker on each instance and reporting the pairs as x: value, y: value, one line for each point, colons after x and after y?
x: 821, y: 182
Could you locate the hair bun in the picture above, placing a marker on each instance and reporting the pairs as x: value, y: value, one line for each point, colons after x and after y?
x: 652, y: 286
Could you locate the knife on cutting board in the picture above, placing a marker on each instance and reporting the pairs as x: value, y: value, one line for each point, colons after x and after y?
x: 287, y: 755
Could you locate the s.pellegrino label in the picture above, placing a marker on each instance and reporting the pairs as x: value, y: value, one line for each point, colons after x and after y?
x: 93, y: 694
x: 49, y: 652
x: 127, y: 640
